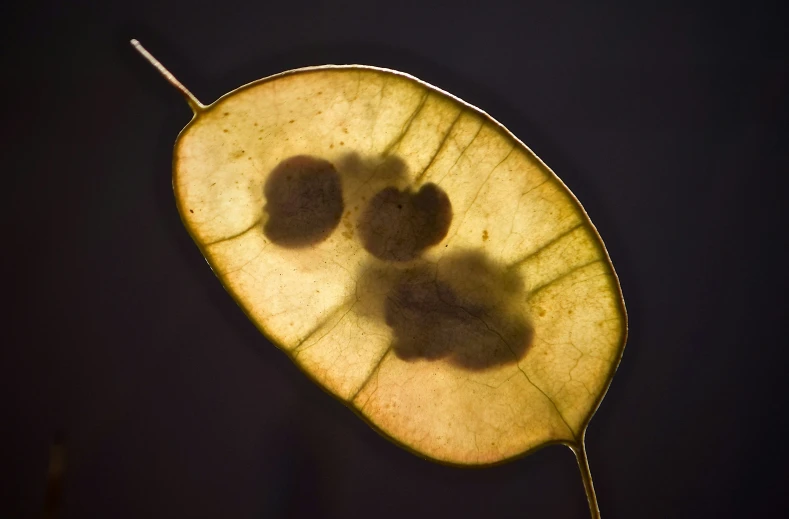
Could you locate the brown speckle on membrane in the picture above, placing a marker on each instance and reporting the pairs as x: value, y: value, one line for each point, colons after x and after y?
x: 303, y: 200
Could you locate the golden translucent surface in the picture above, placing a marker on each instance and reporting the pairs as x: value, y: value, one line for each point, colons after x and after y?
x: 493, y: 337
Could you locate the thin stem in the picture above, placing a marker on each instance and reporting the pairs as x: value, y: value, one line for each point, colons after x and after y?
x: 586, y: 476
x: 196, y: 105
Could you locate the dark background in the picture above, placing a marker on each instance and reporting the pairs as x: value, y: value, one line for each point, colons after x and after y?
x: 668, y: 120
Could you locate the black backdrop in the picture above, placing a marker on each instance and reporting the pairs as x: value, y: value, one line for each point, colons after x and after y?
x: 669, y: 120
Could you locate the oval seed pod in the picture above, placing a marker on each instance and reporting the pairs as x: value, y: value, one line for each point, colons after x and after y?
x: 410, y: 255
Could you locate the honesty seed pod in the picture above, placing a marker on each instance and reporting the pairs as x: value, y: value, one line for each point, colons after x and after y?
x: 409, y: 254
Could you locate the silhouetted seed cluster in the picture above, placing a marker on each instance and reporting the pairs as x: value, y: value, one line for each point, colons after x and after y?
x: 462, y: 309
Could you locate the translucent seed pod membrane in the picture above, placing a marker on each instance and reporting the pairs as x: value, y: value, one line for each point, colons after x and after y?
x: 410, y: 255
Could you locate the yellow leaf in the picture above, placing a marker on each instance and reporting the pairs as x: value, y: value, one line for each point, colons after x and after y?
x: 411, y: 255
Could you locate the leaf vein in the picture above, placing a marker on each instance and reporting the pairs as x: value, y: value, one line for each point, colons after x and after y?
x: 441, y: 146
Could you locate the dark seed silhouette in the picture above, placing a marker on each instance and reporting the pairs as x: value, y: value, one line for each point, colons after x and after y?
x: 303, y: 200
x: 398, y: 225
x: 462, y: 310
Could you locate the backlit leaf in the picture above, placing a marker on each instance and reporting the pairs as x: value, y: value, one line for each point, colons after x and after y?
x: 409, y: 254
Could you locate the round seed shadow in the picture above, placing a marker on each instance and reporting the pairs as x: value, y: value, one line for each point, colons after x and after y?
x: 303, y: 200
x: 398, y: 225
